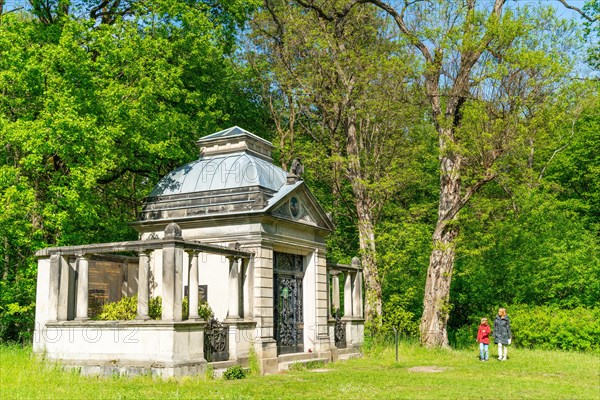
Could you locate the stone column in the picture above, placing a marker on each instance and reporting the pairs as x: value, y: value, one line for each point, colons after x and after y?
x: 348, y: 295
x: 262, y: 288
x: 323, y: 337
x: 193, y: 285
x: 234, y: 289
x: 172, y: 273
x: 357, y: 295
x: 64, y: 289
x: 54, y: 287
x: 82, y: 288
x: 143, y: 304
x: 335, y: 282
x: 247, y: 287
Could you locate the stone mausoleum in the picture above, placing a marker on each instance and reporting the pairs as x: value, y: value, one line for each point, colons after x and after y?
x: 230, y: 229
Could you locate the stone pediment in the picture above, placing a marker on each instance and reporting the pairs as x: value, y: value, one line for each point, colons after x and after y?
x: 299, y: 205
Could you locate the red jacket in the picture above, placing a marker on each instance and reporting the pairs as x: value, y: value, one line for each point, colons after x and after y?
x: 483, y: 334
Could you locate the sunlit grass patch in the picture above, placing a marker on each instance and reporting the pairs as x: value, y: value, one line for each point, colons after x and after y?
x: 528, y: 374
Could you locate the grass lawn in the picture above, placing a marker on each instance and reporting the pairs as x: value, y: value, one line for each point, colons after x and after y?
x: 526, y: 375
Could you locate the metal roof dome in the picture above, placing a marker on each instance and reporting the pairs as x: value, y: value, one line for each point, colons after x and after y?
x: 229, y: 159
x: 218, y: 172
x: 235, y: 172
x: 234, y: 175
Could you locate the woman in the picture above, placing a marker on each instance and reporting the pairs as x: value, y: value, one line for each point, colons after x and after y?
x: 502, y: 334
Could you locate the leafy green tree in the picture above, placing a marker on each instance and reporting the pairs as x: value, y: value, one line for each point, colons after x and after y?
x: 485, y: 70
x: 92, y: 115
x: 329, y: 77
x: 535, y: 241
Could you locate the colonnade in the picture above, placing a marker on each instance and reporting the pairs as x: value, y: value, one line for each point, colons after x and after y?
x: 353, y: 289
x: 64, y: 287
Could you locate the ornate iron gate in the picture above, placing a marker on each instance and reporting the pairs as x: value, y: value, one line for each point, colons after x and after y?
x: 288, y: 271
x: 339, y: 331
x: 216, y: 343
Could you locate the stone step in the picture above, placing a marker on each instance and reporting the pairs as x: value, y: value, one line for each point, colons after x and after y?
x: 284, y: 366
x: 221, y: 366
x: 349, y: 356
x: 347, y: 350
x: 296, y: 357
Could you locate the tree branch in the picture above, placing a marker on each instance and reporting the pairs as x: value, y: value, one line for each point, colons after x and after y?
x: 561, y: 148
x: 117, y: 175
x: 443, y: 222
x: 399, y: 19
x: 2, y: 12
x: 578, y: 10
x: 320, y: 12
x: 99, y: 7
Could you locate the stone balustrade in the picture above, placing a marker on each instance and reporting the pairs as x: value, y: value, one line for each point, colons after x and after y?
x: 352, y: 318
x: 353, y: 288
x: 67, y: 301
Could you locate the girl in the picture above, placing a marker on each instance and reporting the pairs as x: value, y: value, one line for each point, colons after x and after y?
x: 483, y: 338
x: 502, y: 334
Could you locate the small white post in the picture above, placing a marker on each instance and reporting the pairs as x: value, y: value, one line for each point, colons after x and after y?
x: 234, y: 289
x: 358, y: 295
x: 172, y: 271
x: 348, y: 295
x: 193, y: 286
x: 335, y: 282
x: 82, y: 288
x: 143, y: 307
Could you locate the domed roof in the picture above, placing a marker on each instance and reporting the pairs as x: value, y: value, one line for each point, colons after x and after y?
x: 234, y: 175
x: 218, y: 172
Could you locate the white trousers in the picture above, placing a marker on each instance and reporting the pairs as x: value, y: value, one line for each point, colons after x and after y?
x: 502, y: 351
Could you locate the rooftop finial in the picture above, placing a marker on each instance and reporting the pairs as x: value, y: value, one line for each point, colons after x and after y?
x: 297, y: 167
x: 173, y: 231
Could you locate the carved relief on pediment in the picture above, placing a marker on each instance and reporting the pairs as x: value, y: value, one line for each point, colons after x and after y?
x: 296, y: 208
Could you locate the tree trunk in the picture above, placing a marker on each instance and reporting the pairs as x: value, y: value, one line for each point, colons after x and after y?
x: 373, y: 303
x: 366, y: 231
x: 436, y: 302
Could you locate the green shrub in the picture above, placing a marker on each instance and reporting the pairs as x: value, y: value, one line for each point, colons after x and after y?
x: 17, y: 309
x: 16, y: 322
x: 463, y: 337
x: 204, y: 311
x: 549, y: 327
x: 541, y: 327
x: 154, y: 307
x: 396, y: 314
x: 234, y: 372
x: 126, y: 309
x: 253, y: 364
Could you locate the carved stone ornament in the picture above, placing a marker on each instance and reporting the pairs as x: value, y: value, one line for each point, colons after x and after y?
x: 294, y: 207
x: 172, y: 231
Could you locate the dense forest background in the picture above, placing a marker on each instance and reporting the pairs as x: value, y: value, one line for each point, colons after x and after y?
x: 101, y: 98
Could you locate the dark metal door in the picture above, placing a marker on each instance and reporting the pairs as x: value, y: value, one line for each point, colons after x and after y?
x: 288, y: 271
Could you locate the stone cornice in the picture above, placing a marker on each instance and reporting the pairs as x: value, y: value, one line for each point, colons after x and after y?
x: 139, y: 246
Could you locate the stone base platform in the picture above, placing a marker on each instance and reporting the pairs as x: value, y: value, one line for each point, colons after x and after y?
x: 286, y: 360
